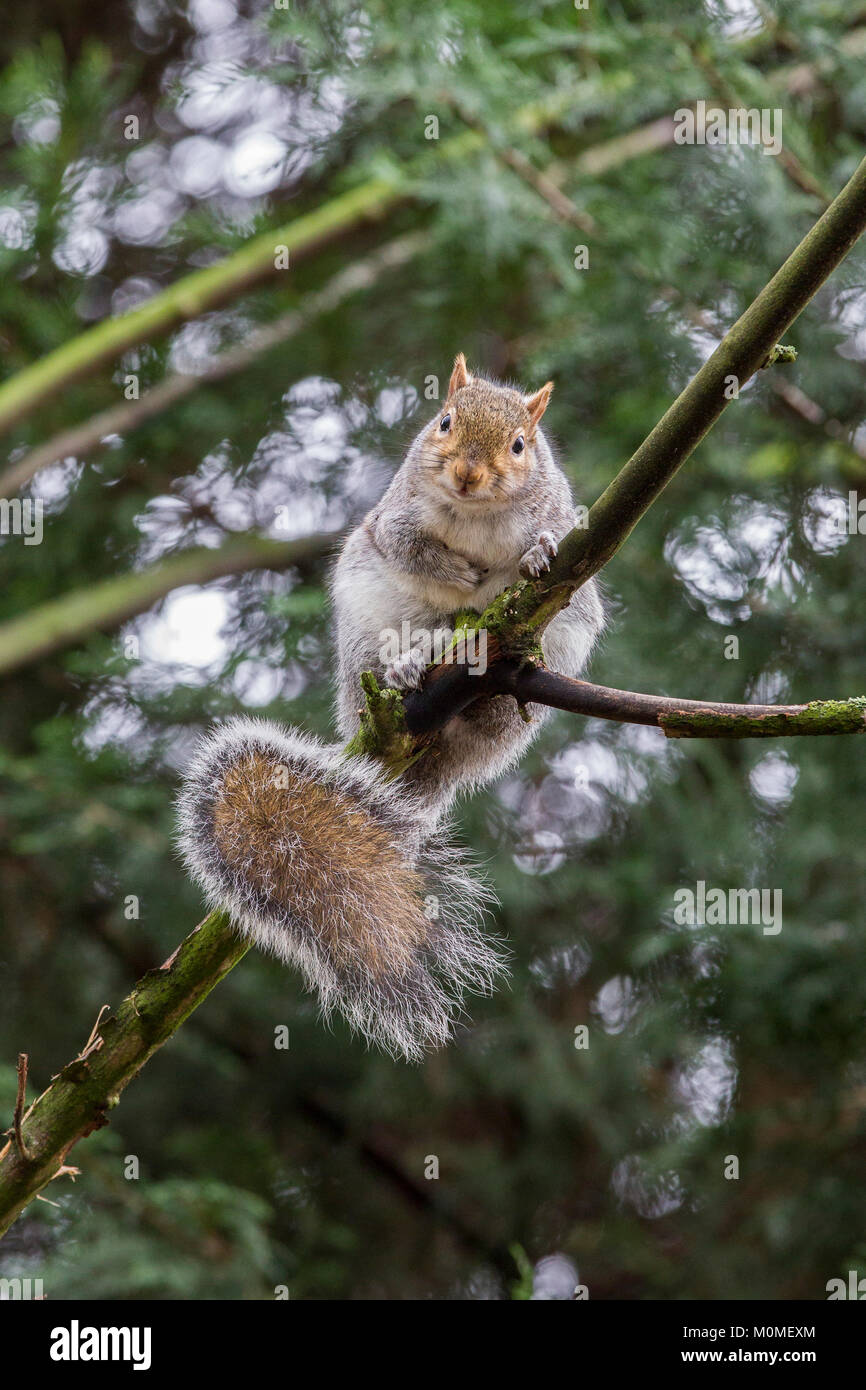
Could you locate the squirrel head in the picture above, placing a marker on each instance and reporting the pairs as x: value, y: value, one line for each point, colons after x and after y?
x: 481, y: 447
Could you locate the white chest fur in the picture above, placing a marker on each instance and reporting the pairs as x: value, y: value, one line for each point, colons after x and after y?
x: 491, y: 537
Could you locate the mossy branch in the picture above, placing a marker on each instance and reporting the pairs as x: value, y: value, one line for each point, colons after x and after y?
x: 121, y: 419
x: 382, y: 733
x: 531, y: 683
x: 692, y: 719
x: 193, y: 295
x: 81, y: 1097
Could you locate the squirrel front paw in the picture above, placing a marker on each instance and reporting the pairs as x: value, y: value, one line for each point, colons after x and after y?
x: 538, y: 557
x: 464, y: 575
x: 407, y: 672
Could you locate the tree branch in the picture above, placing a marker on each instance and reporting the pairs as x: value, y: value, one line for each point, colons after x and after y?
x: 399, y: 729
x: 79, y: 1099
x: 65, y: 621
x: 129, y: 415
x: 738, y: 356
x: 516, y: 619
x: 429, y: 709
x: 189, y: 297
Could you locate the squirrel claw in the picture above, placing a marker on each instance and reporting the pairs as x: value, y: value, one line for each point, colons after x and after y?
x: 468, y: 578
x: 407, y: 672
x: 537, y: 559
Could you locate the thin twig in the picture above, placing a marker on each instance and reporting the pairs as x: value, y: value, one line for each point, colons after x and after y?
x: 20, y: 1102
x: 93, y: 1040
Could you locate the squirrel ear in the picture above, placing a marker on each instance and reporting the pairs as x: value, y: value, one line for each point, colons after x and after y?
x: 537, y: 404
x: 459, y: 376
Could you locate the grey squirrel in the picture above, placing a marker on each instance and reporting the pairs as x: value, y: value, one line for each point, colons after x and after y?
x: 321, y: 859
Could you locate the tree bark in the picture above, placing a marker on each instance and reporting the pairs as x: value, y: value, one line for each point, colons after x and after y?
x: 429, y: 709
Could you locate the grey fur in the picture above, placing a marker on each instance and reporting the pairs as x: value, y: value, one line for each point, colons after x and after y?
x: 417, y: 558
x: 405, y: 1013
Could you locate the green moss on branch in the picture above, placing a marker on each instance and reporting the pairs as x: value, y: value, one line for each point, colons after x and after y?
x: 80, y: 1098
x: 382, y: 733
x: 818, y: 717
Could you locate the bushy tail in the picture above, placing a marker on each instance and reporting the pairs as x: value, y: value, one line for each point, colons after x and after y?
x: 322, y: 861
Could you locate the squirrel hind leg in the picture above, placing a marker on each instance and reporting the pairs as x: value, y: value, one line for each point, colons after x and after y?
x: 475, y: 747
x: 317, y: 861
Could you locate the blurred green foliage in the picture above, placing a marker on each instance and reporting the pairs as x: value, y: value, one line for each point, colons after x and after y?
x: 305, y: 1167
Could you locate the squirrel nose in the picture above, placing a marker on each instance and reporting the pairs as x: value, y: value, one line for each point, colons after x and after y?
x: 466, y: 472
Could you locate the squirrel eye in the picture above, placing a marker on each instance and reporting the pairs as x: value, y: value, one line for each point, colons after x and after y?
x: 518, y: 445
x: 445, y: 423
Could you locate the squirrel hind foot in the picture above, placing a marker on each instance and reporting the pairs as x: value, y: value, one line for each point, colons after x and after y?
x: 407, y: 671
